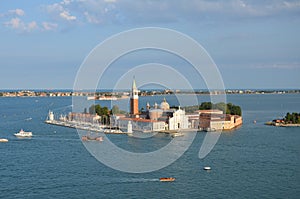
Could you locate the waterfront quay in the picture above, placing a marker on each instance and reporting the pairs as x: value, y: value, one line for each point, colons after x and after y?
x: 84, y: 126
x: 101, y: 128
x: 77, y: 125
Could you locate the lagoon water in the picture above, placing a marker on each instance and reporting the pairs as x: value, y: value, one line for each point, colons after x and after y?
x: 254, y: 161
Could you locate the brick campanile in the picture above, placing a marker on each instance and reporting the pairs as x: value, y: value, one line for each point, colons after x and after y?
x: 134, y: 99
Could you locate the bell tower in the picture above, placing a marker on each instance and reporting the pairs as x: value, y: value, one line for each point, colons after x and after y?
x: 134, y: 99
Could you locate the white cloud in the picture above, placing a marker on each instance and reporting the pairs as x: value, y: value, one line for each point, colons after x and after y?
x: 66, y: 2
x: 150, y: 11
x: 31, y: 26
x: 14, y: 23
x: 17, y: 12
x: 291, y: 5
x: 13, y: 13
x: 164, y: 11
x: 91, y: 19
x: 49, y: 26
x: 17, y: 24
x: 66, y: 15
x: 55, y: 8
x: 60, y: 11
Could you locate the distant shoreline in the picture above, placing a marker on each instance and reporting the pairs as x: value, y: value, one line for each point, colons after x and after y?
x: 123, y: 94
x: 281, y: 124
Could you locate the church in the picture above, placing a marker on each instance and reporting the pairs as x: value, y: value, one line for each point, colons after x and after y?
x: 155, y: 118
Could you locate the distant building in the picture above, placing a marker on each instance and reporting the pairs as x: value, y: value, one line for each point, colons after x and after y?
x: 140, y: 124
x: 193, y: 120
x: 83, y: 117
x: 215, y: 120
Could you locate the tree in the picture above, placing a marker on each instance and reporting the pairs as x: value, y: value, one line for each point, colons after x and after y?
x: 205, y: 106
x: 115, y: 110
x: 85, y: 110
x: 288, y: 117
x: 221, y: 106
x: 103, y: 111
x: 226, y: 108
x: 292, y: 118
x: 99, y: 110
x: 92, y: 109
x: 191, y: 109
x: 235, y: 110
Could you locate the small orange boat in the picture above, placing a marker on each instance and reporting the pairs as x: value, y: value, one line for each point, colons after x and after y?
x: 166, y: 179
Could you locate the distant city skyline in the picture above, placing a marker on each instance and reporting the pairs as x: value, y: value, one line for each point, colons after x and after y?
x: 255, y: 44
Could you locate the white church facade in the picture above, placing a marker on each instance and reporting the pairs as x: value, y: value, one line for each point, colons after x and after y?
x: 156, y: 118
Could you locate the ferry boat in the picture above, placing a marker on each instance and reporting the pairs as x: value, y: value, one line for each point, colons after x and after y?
x: 166, y: 179
x: 23, y: 133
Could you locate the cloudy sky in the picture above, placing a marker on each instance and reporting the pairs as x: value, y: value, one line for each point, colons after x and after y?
x: 255, y: 43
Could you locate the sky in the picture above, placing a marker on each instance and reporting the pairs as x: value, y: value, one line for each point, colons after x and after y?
x: 255, y: 44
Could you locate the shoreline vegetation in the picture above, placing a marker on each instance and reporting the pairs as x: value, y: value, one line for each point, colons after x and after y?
x: 117, y: 95
x: 228, y: 108
x: 290, y: 120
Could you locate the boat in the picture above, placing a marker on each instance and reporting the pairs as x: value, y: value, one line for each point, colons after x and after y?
x: 207, y: 168
x: 112, y: 131
x: 3, y: 140
x: 167, y: 179
x: 88, y: 138
x: 177, y: 135
x: 23, y: 133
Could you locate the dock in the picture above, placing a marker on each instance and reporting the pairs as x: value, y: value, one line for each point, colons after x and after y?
x: 83, y: 126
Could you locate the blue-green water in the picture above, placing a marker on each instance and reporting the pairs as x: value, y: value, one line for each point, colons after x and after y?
x: 255, y: 161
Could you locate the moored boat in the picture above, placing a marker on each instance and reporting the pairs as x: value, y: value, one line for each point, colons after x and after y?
x: 88, y: 138
x: 23, y: 133
x: 177, y: 135
x: 112, y: 131
x: 167, y: 179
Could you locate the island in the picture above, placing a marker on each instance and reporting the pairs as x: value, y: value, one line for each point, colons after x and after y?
x: 153, y: 118
x: 290, y: 120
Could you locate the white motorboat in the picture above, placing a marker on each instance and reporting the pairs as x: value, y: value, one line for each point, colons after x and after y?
x: 23, y: 133
x: 113, y: 131
x: 178, y: 134
x: 3, y: 140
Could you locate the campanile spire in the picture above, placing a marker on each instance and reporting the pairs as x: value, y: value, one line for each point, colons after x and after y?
x: 134, y: 99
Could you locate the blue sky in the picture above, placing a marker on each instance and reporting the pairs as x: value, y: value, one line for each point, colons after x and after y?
x: 255, y: 44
